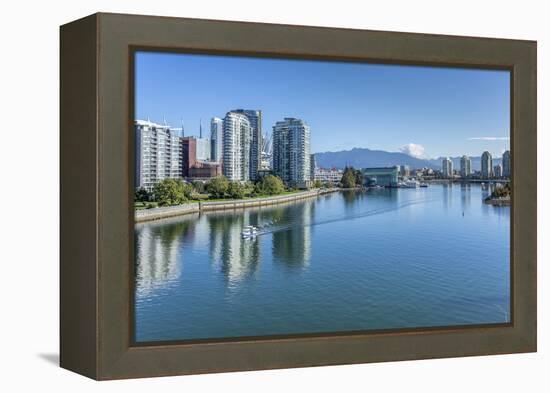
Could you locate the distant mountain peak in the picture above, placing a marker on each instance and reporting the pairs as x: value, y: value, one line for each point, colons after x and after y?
x: 362, y: 157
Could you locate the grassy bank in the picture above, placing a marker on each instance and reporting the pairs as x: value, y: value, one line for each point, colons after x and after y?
x: 206, y: 198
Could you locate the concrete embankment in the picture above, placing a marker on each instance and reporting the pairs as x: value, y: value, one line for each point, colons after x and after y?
x: 165, y: 212
x: 172, y: 211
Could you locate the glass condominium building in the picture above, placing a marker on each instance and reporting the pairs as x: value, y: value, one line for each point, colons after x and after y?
x: 506, y: 172
x: 447, y: 167
x: 486, y: 165
x: 237, y: 137
x: 216, y: 139
x: 158, y: 154
x: 255, y: 118
x: 291, y: 151
x: 465, y: 166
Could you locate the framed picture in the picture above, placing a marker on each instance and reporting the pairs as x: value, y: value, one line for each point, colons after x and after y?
x: 242, y: 196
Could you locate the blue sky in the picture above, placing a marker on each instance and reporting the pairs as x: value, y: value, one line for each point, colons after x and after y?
x: 425, y: 111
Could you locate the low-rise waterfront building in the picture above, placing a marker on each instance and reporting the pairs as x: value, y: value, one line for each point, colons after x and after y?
x: 204, y: 170
x: 193, y: 167
x: 387, y: 176
x: 189, y: 154
x: 331, y: 175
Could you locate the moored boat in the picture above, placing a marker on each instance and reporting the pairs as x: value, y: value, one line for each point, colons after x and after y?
x: 410, y: 184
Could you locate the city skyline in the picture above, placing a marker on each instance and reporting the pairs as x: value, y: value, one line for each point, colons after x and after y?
x: 413, y: 105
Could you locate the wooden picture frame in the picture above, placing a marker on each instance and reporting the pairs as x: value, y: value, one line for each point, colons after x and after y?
x: 97, y: 216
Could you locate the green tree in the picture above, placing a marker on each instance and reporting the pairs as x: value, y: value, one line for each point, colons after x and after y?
x: 249, y: 188
x: 142, y: 195
x: 348, y: 178
x: 188, y: 190
x: 359, y: 178
x: 170, y: 192
x: 317, y: 184
x: 199, y: 187
x: 236, y: 190
x: 271, y: 185
x: 218, y: 186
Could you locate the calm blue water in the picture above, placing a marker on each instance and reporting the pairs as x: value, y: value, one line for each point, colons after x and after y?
x: 354, y: 260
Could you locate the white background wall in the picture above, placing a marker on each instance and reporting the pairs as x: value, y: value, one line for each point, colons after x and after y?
x: 29, y: 139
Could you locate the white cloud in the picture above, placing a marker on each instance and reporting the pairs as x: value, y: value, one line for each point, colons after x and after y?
x: 413, y: 150
x: 489, y: 138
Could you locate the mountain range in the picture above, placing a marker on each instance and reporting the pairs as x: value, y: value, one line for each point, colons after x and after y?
x: 367, y: 158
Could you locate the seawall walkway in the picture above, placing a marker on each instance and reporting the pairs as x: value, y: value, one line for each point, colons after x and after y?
x: 188, y: 208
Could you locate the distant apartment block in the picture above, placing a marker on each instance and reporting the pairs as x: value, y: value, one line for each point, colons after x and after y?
x: 447, y: 167
x: 506, y: 169
x: 158, y: 154
x: 465, y: 166
x: 216, y: 139
x: 486, y: 165
x: 405, y: 171
x: 497, y: 170
x: 312, y: 166
x: 291, y: 152
x: 204, y: 149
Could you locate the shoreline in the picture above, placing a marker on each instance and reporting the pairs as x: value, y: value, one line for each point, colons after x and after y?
x: 498, y: 201
x: 189, y: 208
x: 465, y: 181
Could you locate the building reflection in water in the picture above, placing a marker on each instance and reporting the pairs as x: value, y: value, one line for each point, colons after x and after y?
x: 447, y: 195
x: 288, y: 225
x: 292, y: 236
x: 465, y: 195
x: 158, y: 254
x: 238, y: 258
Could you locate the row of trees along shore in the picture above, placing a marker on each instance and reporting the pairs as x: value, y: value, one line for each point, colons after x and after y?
x: 170, y: 192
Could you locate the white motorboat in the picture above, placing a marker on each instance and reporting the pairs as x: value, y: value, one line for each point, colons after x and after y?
x: 249, y: 231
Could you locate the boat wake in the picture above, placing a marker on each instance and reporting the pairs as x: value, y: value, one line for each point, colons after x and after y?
x: 270, y: 228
